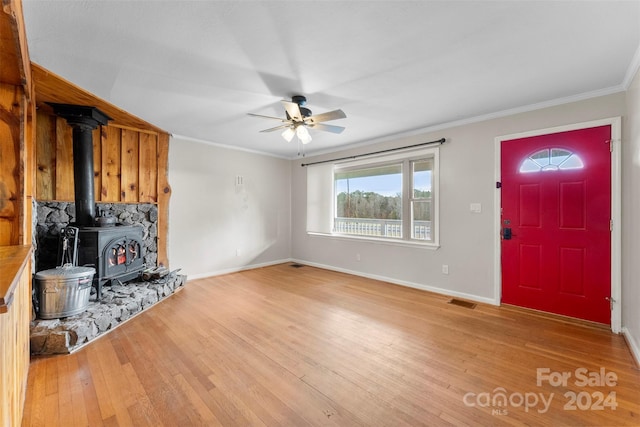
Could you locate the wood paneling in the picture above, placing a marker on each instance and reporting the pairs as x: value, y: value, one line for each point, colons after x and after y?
x: 15, y: 314
x: 46, y: 160
x: 64, y: 156
x: 111, y: 148
x: 130, y: 166
x: 16, y: 128
x: 126, y: 162
x: 148, y: 170
x: 9, y: 53
x: 28, y: 161
x: 305, y: 346
x: 164, y: 193
x: 15, y: 66
x: 11, y: 179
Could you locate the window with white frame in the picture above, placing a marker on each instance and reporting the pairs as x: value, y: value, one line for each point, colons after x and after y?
x: 368, y: 200
x: 392, y: 197
x: 421, y: 199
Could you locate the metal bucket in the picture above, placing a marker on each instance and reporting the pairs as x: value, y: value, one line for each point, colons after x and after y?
x: 64, y: 291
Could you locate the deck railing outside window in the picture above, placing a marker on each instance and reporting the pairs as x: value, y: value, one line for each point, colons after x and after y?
x: 380, y: 227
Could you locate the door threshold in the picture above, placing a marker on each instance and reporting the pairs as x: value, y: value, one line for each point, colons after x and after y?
x: 557, y: 317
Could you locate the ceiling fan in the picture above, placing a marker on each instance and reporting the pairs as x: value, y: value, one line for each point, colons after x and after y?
x: 299, y: 118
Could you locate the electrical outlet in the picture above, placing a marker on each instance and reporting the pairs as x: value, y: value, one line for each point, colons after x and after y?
x: 238, y: 252
x: 445, y: 269
x: 358, y: 257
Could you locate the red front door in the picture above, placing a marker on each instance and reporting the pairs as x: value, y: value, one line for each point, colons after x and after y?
x: 556, y: 211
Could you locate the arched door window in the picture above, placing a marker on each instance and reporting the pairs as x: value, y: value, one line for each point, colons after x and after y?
x: 551, y: 159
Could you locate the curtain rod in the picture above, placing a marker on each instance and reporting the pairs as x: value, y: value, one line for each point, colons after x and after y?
x: 440, y: 141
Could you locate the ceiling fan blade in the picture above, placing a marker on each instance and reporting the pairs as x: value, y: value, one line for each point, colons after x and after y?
x: 324, y: 117
x: 293, y: 110
x: 277, y: 128
x: 326, y: 128
x: 267, y: 117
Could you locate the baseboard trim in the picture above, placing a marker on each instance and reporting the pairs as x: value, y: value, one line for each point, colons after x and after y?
x: 236, y: 269
x: 420, y: 286
x: 633, y: 345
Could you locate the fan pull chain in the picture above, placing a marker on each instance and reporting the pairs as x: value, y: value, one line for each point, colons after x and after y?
x: 300, y: 152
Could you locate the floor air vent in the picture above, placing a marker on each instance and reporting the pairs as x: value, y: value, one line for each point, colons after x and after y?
x: 296, y: 265
x: 465, y: 304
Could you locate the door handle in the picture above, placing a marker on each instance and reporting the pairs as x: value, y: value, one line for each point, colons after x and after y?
x: 506, y: 234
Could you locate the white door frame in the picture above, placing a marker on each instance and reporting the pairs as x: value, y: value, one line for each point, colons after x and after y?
x: 616, y: 209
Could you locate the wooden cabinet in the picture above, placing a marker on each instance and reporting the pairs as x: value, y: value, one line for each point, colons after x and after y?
x: 15, y: 314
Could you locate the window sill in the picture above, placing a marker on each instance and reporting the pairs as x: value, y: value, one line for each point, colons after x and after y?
x: 374, y: 240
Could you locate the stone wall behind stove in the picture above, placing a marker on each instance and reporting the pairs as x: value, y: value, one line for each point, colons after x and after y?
x: 52, y: 217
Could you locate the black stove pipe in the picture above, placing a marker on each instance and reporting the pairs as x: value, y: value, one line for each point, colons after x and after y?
x: 83, y: 120
x: 83, y: 186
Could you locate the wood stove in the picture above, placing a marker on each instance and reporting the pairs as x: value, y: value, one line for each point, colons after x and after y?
x: 116, y: 251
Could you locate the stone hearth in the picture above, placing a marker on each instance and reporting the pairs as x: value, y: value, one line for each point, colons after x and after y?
x: 118, y: 304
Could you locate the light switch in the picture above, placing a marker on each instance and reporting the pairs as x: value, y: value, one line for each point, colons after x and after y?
x: 476, y: 207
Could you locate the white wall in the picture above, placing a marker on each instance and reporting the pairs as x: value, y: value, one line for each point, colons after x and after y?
x: 466, y: 176
x: 630, y: 218
x: 217, y: 226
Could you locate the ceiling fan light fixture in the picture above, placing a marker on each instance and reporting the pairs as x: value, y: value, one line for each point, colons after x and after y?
x: 299, y: 118
x: 288, y: 134
x: 303, y: 134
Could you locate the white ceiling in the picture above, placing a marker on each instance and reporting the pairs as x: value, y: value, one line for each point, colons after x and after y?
x: 196, y: 68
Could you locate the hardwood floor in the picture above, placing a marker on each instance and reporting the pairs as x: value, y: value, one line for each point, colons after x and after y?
x: 305, y: 346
